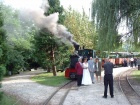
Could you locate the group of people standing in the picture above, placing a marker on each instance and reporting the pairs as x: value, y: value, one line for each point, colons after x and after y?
x: 86, y: 71
x: 132, y: 62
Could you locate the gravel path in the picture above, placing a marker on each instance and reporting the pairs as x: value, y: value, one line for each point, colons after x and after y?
x: 92, y: 95
x: 27, y: 91
x: 33, y: 93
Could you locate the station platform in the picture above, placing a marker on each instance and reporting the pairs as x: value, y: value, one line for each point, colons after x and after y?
x: 92, y: 94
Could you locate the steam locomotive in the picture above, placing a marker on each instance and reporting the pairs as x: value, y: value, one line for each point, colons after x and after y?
x: 70, y: 72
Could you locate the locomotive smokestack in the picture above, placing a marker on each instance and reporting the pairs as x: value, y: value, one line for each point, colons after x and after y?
x: 76, y: 46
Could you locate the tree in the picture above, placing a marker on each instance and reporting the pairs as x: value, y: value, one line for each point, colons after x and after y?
x: 2, y: 48
x: 55, y: 7
x: 19, y: 36
x: 44, y: 43
x: 82, y: 29
x: 47, y: 46
x: 109, y: 14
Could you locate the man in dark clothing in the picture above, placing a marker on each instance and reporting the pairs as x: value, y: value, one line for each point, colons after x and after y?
x: 138, y: 63
x: 108, y: 78
x: 79, y: 70
x: 135, y: 62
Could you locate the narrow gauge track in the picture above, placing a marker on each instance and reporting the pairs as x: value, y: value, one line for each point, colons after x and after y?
x: 58, y: 97
x: 54, y: 99
x: 127, y: 88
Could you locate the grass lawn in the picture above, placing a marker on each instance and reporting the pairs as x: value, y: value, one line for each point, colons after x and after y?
x: 136, y: 75
x: 8, y: 100
x: 50, y: 80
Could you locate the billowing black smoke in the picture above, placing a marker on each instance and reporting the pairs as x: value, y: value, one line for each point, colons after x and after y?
x: 48, y: 22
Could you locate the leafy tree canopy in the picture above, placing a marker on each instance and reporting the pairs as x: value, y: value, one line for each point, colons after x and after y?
x: 19, y: 35
x: 55, y: 7
x: 82, y: 29
x: 109, y: 14
x: 2, y: 48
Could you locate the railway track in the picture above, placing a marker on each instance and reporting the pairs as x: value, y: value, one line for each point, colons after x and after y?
x: 58, y: 97
x: 126, y: 87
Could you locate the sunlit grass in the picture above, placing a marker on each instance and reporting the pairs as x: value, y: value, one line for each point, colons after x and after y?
x: 8, y: 100
x: 50, y: 80
x: 136, y: 75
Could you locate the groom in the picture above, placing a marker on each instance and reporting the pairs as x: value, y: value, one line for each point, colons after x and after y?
x: 79, y: 70
x: 91, y: 67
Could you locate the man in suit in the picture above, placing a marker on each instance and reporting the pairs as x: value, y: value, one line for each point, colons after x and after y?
x: 91, y: 67
x: 108, y: 78
x: 79, y: 70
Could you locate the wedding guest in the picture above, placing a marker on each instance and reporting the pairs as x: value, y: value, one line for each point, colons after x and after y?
x: 98, y: 70
x: 91, y: 67
x: 79, y: 70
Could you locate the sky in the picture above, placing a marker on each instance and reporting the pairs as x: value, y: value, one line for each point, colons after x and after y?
x: 75, y: 4
x: 23, y: 3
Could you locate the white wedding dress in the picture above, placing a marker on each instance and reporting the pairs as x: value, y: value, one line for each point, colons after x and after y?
x: 86, y: 80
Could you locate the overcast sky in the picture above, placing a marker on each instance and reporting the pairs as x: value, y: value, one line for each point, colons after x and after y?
x: 75, y: 4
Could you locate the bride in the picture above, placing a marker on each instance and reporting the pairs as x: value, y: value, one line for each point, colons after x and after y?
x: 86, y: 80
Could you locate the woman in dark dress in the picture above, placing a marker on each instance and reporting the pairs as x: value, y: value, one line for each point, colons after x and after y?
x: 98, y: 70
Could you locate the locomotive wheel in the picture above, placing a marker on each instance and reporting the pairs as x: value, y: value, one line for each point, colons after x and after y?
x: 72, y: 76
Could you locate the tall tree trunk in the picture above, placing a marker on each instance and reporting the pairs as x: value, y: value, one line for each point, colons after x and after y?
x: 53, y: 62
